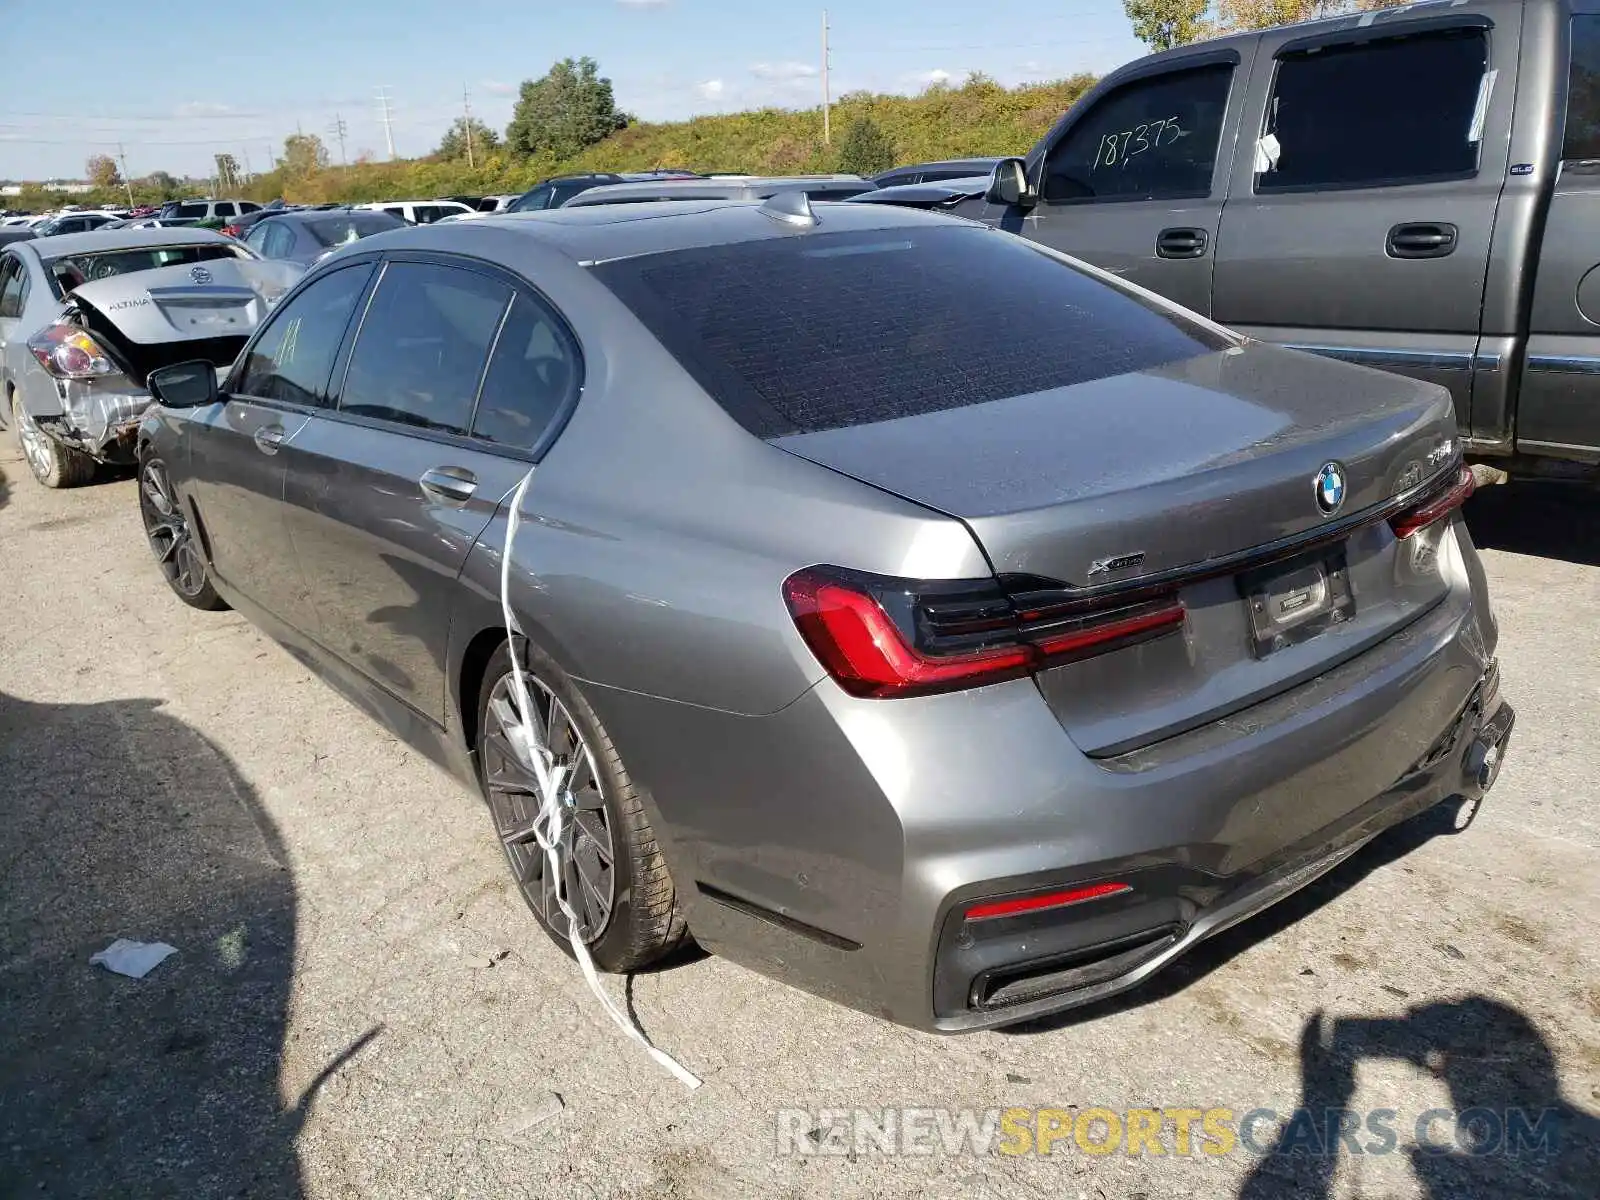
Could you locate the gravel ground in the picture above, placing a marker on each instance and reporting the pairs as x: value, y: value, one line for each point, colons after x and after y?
x: 360, y: 1006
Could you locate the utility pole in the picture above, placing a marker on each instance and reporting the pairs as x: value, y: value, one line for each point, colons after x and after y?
x: 825, y: 130
x: 338, y: 131
x: 126, y: 183
x: 388, y: 127
x: 466, y: 103
x: 247, y: 171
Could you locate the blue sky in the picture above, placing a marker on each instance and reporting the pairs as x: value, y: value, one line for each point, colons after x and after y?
x: 177, y: 90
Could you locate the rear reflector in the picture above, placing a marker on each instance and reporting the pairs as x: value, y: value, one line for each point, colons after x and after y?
x: 1043, y: 901
x: 881, y: 637
x: 1433, y: 508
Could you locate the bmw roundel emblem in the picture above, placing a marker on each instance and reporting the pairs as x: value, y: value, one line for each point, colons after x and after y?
x: 1330, y: 488
x: 199, y: 274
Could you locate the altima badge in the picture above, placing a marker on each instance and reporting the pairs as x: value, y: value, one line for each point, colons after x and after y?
x: 1330, y: 488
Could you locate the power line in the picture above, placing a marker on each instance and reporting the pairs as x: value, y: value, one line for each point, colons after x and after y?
x: 338, y: 130
x: 388, y: 128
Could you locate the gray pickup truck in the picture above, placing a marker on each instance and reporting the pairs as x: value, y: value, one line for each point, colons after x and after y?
x: 1416, y: 189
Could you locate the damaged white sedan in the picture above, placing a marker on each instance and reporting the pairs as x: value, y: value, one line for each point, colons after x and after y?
x: 85, y: 317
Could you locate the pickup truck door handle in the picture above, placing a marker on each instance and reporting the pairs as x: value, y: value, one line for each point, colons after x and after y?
x: 268, y: 438
x: 1421, y: 239
x: 1181, y: 243
x: 449, y: 485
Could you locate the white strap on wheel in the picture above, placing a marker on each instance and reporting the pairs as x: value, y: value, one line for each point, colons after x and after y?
x: 547, y: 826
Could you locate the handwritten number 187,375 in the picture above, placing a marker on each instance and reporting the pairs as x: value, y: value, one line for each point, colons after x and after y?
x: 1117, y: 148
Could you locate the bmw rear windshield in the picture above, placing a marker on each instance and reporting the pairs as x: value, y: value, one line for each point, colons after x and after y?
x: 824, y: 331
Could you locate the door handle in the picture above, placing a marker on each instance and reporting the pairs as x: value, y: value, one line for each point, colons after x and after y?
x: 1181, y: 243
x: 449, y: 485
x: 1421, y: 239
x: 268, y: 438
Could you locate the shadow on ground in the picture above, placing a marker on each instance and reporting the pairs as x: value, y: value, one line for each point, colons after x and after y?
x: 1549, y: 520
x: 5, y: 487
x: 118, y: 820
x: 1508, y: 1130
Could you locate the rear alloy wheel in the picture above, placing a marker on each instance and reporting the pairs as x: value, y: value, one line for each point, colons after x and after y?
x: 52, y: 464
x: 171, y: 539
x: 609, y: 870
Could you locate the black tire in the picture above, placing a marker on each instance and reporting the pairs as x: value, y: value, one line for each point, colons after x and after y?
x: 177, y: 552
x: 52, y: 464
x: 644, y: 922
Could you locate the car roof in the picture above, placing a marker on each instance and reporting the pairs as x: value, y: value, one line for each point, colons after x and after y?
x: 599, y: 233
x: 124, y: 239
x: 747, y: 187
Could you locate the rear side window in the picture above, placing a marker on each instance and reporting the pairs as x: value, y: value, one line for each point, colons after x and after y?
x: 1397, y: 110
x: 534, y: 374
x: 293, y: 357
x: 1583, y: 92
x: 12, y: 287
x: 799, y: 334
x: 198, y: 211
x: 423, y: 345
x: 1150, y: 139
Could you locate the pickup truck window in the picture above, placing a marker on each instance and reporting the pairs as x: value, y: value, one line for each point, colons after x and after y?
x: 1152, y: 139
x: 1392, y: 110
x: 1583, y: 92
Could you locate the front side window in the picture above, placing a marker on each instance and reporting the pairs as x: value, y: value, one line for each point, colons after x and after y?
x: 1395, y: 110
x: 1582, y: 140
x: 531, y: 379
x: 223, y: 210
x: 1151, y: 139
x: 423, y: 345
x: 293, y: 357
x: 535, y: 200
x: 257, y: 239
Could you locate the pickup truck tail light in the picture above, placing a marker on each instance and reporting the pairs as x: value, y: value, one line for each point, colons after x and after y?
x: 883, y: 637
x: 1434, y: 507
x: 70, y: 352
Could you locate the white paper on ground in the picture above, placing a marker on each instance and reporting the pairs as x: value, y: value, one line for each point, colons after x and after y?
x: 133, y: 959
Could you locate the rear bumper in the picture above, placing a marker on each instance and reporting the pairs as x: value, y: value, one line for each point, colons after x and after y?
x: 838, y: 843
x: 100, y: 419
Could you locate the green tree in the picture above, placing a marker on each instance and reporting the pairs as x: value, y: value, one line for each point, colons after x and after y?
x: 162, y: 183
x: 1163, y: 24
x: 227, y: 171
x: 1262, y: 14
x: 303, y: 154
x: 566, y: 112
x: 455, y: 142
x: 866, y: 149
x: 101, y: 171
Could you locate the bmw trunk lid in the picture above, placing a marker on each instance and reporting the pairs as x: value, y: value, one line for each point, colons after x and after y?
x: 1241, y: 481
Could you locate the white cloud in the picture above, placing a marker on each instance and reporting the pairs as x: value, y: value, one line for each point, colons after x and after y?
x: 935, y: 76
x: 644, y: 3
x: 783, y: 72
x: 498, y: 89
x: 711, y: 89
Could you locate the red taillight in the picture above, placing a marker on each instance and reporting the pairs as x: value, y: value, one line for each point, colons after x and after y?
x: 69, y: 352
x: 1440, y: 504
x: 881, y: 638
x: 1043, y: 901
x: 230, y: 231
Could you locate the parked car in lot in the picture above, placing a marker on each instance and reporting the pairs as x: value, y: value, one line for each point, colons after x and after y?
x: 419, y: 212
x: 959, y: 657
x: 208, y: 210
x: 559, y: 189
x: 933, y: 172
x: 731, y: 187
x: 305, y: 237
x: 73, y: 222
x: 84, y: 319
x: 1412, y: 189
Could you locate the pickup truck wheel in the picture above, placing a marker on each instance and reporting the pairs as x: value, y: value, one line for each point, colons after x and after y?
x: 172, y: 540
x: 610, y: 871
x: 52, y: 464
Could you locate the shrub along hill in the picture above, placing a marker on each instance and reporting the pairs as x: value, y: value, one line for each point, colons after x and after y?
x: 978, y: 118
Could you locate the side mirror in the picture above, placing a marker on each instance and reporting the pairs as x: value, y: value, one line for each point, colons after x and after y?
x: 184, y: 385
x: 1008, y: 184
